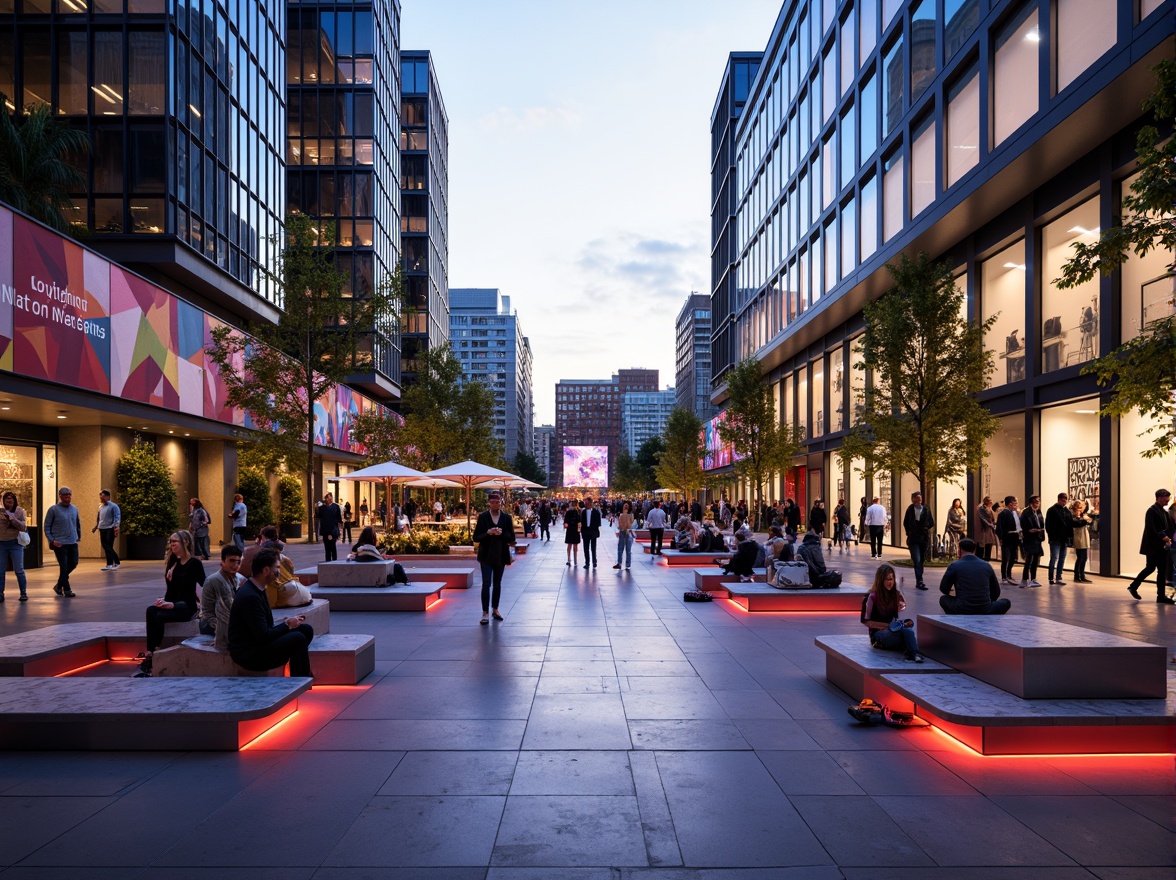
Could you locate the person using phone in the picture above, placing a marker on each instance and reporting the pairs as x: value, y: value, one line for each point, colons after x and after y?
x: 494, y: 534
x: 880, y: 612
x: 255, y: 641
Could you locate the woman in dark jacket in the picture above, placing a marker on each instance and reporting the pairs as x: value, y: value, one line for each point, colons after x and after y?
x: 571, y: 521
x: 182, y: 572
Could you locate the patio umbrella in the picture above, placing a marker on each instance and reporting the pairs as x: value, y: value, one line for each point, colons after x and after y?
x: 469, y: 474
x: 389, y: 473
x: 433, y: 484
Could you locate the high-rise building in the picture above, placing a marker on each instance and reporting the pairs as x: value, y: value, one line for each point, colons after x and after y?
x: 693, y: 356
x: 424, y: 224
x: 342, y: 121
x: 588, y: 411
x: 487, y: 339
x: 543, y: 449
x: 991, y: 136
x: 644, y: 415
x: 184, y: 107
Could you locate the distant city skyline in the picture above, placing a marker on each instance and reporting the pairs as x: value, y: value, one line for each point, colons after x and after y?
x: 579, y: 165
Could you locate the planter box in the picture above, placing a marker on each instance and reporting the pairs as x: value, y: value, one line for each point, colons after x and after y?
x: 292, y: 530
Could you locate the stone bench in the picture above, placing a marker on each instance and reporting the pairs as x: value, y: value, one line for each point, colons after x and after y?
x: 854, y: 665
x: 416, y: 596
x: 309, y: 576
x: 675, y: 558
x: 1038, y: 658
x: 453, y: 578
x: 761, y: 597
x: 709, y: 579
x: 521, y: 547
x: 995, y: 722
x: 334, y: 659
x: 354, y: 574
x: 149, y: 714
x: 462, y: 550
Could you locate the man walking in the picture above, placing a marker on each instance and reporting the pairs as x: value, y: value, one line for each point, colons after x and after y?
x: 655, y: 521
x: 109, y: 519
x: 976, y: 589
x: 545, y: 521
x: 590, y: 531
x: 875, y: 520
x: 919, y: 525
x: 494, y: 534
x: 63, y: 530
x: 1059, y: 529
x: 1157, y: 538
x: 330, y: 519
x: 1008, y: 530
x: 240, y: 518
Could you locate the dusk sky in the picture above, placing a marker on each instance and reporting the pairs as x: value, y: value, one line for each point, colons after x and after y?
x: 579, y: 154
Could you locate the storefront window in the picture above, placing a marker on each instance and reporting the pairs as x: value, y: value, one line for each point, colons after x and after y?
x: 1136, y: 482
x: 802, y: 410
x: 836, y: 390
x: 789, y: 383
x: 923, y: 168
x: 857, y: 381
x: 1003, y: 472
x: 1070, y: 462
x: 1085, y: 32
x: 18, y: 474
x: 1069, y: 318
x: 1148, y: 287
x: 1002, y: 295
x: 963, y: 127
x: 818, y: 372
x: 1015, y: 93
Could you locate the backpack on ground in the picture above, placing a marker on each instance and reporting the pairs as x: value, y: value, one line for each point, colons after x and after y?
x: 830, y: 579
x: 789, y: 576
x: 697, y: 596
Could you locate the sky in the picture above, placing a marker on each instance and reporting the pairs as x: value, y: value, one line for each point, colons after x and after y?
x: 579, y: 164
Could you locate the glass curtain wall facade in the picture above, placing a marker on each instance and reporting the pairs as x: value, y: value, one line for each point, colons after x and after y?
x: 183, y: 103
x: 424, y: 225
x: 342, y: 162
x: 693, y: 356
x: 992, y: 135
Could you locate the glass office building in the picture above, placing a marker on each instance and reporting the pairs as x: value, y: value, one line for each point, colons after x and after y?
x: 424, y: 225
x: 693, y: 356
x: 992, y: 134
x: 342, y: 81
x: 183, y: 103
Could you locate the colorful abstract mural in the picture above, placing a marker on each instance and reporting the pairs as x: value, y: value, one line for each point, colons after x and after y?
x: 7, y: 290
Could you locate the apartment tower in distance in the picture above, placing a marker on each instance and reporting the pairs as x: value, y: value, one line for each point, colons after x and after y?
x: 424, y: 223
x: 692, y: 356
x: 588, y: 412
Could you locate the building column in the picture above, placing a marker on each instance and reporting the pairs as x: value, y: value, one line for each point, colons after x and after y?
x: 216, y: 483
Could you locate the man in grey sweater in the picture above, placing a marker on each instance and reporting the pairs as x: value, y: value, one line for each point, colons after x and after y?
x: 976, y: 587
x: 63, y: 531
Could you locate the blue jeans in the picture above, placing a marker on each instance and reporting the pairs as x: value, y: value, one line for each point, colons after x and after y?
x: 12, y: 550
x: 904, y: 640
x: 1057, y: 560
x: 625, y: 547
x: 917, y: 550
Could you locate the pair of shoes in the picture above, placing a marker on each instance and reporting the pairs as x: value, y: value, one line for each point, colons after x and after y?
x: 497, y: 616
x: 1164, y: 600
x: 617, y: 566
x: 1023, y: 584
x: 57, y: 589
x: 108, y: 568
x: 69, y: 594
x: 145, y: 666
x: 485, y: 619
x: 1134, y: 591
x: 627, y: 568
x: 914, y: 658
x: 118, y: 565
x: 585, y: 564
x: 920, y: 586
x: 1060, y: 582
x: 24, y: 597
x: 1034, y: 584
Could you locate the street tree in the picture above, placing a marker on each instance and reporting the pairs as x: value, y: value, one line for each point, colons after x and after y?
x: 39, y: 159
x: 527, y: 466
x: 919, y: 414
x: 318, y: 343
x: 646, y: 458
x: 762, y: 445
x: 1141, y: 373
x: 679, y: 464
x: 628, y: 476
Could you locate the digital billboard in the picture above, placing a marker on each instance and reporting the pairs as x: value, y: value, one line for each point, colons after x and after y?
x: 585, y: 466
x: 717, y: 453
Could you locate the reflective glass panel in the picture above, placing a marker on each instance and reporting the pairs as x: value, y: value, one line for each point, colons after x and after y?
x: 1085, y: 32
x: 893, y: 80
x: 1016, y: 79
x: 923, y: 169
x: 1002, y: 295
x: 1069, y: 318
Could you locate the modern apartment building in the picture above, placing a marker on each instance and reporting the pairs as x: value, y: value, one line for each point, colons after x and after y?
x: 588, y: 411
x: 692, y: 356
x: 424, y: 223
x: 488, y: 340
x: 644, y: 415
x: 991, y: 135
x: 544, y: 449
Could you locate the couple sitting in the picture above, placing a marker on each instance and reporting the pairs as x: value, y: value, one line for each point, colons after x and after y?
x: 696, y: 537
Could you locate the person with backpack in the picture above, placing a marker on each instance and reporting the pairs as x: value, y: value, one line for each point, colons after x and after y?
x: 810, y: 553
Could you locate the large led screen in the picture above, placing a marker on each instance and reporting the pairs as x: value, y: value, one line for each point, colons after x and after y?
x: 585, y: 466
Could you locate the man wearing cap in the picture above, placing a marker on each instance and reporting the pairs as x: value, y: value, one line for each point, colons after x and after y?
x: 63, y: 531
x: 494, y: 534
x: 1157, y: 538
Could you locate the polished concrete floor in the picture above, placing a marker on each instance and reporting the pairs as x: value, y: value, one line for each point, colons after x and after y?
x: 605, y: 729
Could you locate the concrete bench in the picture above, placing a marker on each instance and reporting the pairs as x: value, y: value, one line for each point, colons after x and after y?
x: 334, y: 659
x: 462, y: 550
x: 854, y: 665
x: 416, y: 596
x: 453, y: 578
x: 521, y: 547
x: 675, y: 558
x: 761, y: 597
x: 995, y: 722
x: 1037, y: 658
x: 354, y: 574
x: 708, y: 579
x: 149, y: 714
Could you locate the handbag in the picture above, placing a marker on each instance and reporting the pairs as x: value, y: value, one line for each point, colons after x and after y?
x: 790, y: 576
x: 23, y: 539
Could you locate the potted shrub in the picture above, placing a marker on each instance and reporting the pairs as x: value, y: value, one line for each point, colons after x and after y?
x: 290, y: 505
x: 147, y: 497
x: 254, y: 488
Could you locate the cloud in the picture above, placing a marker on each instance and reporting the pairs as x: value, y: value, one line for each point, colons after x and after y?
x: 641, y: 269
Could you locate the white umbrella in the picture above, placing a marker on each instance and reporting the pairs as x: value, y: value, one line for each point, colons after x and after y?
x: 509, y: 482
x: 389, y: 473
x: 433, y: 483
x: 469, y: 474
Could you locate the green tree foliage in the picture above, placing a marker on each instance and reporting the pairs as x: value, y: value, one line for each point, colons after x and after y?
x: 146, y: 493
x: 527, y: 467
x: 761, y: 444
x: 647, y: 455
x: 919, y: 415
x: 290, y: 510
x: 1141, y: 373
x: 38, y: 165
x: 317, y: 344
x: 628, y: 476
x: 380, y: 432
x: 679, y: 465
x: 254, y: 487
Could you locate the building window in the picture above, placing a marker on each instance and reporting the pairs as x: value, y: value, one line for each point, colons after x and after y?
x: 869, y: 30
x: 1147, y: 7
x: 72, y: 81
x: 848, y: 55
x: 1016, y: 80
x: 1069, y: 318
x: 869, y: 217
x: 963, y: 127
x: 848, y: 238
x: 892, y: 193
x: 818, y: 372
x: 848, y: 139
x: 147, y: 64
x: 1002, y: 296
x: 924, y: 59
x: 1085, y: 32
x: 869, y: 119
x: 893, y: 81
x: 961, y: 17
x: 923, y: 168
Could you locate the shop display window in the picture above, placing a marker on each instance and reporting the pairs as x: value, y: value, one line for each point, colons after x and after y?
x: 18, y: 474
x: 802, y: 410
x: 1071, y: 462
x: 1002, y: 295
x: 1136, y: 483
x: 857, y: 381
x: 837, y: 390
x: 1069, y: 318
x: 1003, y: 472
x: 818, y: 374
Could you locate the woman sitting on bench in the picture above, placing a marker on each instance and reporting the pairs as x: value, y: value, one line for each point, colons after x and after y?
x: 742, y: 564
x: 182, y: 572
x: 880, y: 611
